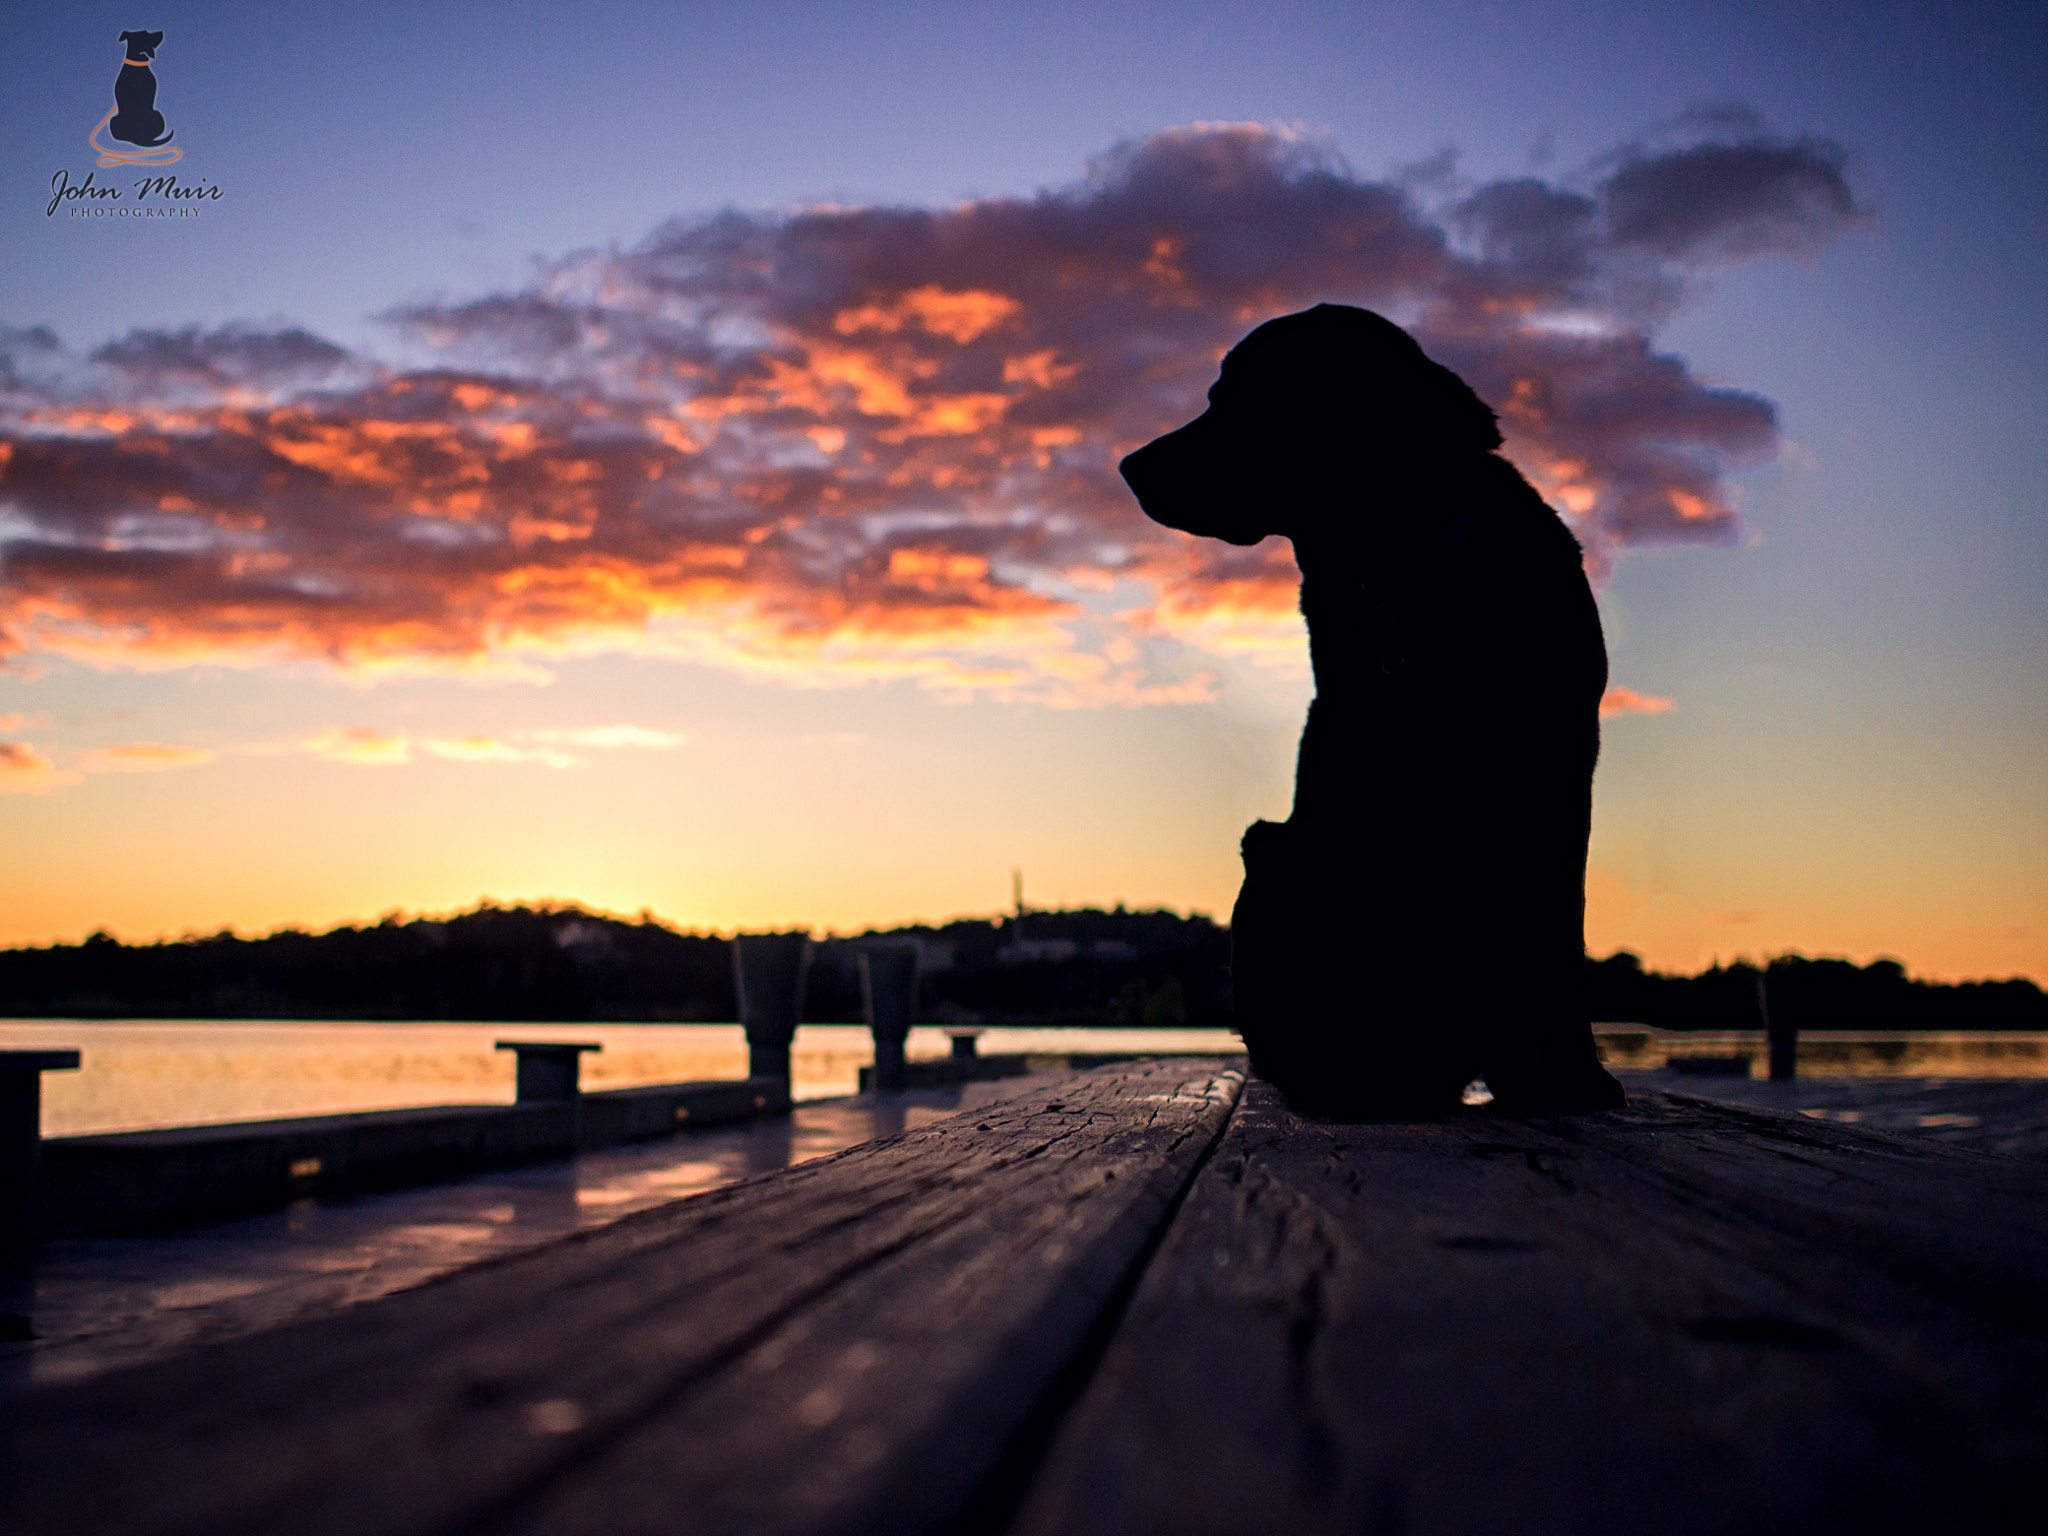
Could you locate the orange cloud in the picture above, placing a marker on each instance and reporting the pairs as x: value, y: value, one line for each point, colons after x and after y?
x: 489, y: 749
x: 25, y: 771
x: 365, y: 746
x: 361, y: 746
x: 610, y: 736
x: 1626, y: 701
x: 851, y: 445
x: 959, y: 317
x: 1232, y: 602
x: 475, y: 749
x: 144, y: 757
x: 1041, y: 370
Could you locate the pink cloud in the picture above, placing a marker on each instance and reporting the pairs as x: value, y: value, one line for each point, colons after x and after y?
x: 1626, y: 701
x: 867, y: 444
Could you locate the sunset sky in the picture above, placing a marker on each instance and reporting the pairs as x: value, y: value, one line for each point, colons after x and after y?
x: 662, y: 457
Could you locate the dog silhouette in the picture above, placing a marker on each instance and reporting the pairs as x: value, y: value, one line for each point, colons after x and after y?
x: 136, y: 119
x: 1419, y: 919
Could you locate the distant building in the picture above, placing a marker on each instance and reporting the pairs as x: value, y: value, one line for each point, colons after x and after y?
x: 1038, y: 951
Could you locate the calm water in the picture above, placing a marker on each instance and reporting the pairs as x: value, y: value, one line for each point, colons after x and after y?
x: 141, y: 1074
x: 146, y: 1073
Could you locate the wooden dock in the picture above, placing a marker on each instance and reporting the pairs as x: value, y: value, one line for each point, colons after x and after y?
x: 163, y: 1178
x: 1143, y: 1300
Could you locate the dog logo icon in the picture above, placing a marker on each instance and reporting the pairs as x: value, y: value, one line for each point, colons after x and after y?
x: 134, y: 118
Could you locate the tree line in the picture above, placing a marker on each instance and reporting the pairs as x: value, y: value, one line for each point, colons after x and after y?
x: 1072, y: 967
x: 566, y: 964
x: 1806, y: 994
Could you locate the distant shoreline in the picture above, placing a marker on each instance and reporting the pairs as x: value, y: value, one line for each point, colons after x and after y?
x: 1085, y: 968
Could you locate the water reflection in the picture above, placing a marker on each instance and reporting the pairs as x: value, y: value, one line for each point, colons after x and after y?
x: 772, y: 1145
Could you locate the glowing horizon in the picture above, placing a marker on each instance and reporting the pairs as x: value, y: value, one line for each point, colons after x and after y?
x: 769, y: 566
x: 822, y: 932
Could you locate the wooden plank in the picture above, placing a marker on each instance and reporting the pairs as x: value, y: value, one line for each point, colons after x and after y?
x: 1679, y: 1318
x: 855, y: 1344
x: 201, y: 1172
x: 1955, y: 1223
x: 2004, y: 1115
x: 615, y: 1115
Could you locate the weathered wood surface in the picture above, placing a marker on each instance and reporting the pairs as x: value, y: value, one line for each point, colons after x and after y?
x: 1679, y: 1318
x: 869, y: 1342
x: 1095, y: 1309
x: 2004, y: 1115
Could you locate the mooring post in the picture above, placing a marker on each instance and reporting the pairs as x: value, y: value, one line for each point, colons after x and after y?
x: 888, y: 989
x: 768, y: 973
x: 1782, y: 1034
x: 21, y: 1160
x: 550, y: 1072
x: 966, y: 1043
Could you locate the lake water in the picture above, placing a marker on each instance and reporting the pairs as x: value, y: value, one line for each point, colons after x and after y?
x: 140, y: 1074
x: 143, y: 1074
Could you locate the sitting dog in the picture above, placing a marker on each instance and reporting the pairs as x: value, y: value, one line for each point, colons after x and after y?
x: 1419, y: 920
x: 136, y: 119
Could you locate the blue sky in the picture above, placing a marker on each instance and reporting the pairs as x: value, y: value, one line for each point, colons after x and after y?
x: 1853, y: 762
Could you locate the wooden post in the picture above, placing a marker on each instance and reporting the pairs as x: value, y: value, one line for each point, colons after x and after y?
x: 768, y: 972
x: 549, y: 1072
x: 21, y: 1157
x: 1782, y: 1034
x: 888, y: 989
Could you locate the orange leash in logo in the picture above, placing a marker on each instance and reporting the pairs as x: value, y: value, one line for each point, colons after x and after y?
x: 163, y: 154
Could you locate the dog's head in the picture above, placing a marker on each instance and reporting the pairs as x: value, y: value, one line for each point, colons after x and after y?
x: 142, y: 45
x: 1309, y: 409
